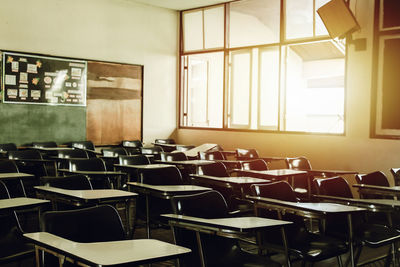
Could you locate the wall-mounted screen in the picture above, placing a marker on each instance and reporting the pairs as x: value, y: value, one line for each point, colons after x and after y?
x: 35, y: 79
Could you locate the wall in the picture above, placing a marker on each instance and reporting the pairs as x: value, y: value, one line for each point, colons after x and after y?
x: 354, y: 151
x: 118, y: 30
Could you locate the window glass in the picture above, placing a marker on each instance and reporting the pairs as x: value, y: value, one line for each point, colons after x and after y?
x: 299, y: 19
x: 254, y: 22
x: 320, y: 28
x: 193, y: 30
x: 214, y: 27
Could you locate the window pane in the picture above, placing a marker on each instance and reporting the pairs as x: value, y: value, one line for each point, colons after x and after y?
x: 193, y: 30
x: 205, y: 89
x: 319, y: 25
x: 269, y: 88
x: 299, y: 18
x: 214, y: 27
x: 254, y: 22
x: 315, y: 88
x: 240, y: 89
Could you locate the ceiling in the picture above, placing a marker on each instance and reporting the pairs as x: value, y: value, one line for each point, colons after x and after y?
x: 181, y: 4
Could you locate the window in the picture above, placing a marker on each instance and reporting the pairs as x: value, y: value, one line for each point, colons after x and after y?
x: 263, y: 77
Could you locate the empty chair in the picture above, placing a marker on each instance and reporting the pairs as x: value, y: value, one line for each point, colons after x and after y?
x: 257, y: 165
x: 154, y: 150
x: 246, y: 154
x: 160, y: 176
x: 298, y: 163
x: 173, y: 156
x: 214, y: 169
x: 396, y: 175
x: 371, y: 235
x: 114, y: 152
x: 44, y: 144
x: 164, y: 141
x: 8, y: 147
x: 373, y: 178
x: 85, y: 145
x: 301, y: 163
x: 133, y: 147
x: 302, y: 244
x: 92, y: 164
x: 182, y: 148
x: 94, y: 224
x: 212, y: 155
x: 217, y: 250
x: 13, y: 245
x: 71, y: 182
x: 72, y: 154
x: 134, y: 160
x: 16, y: 187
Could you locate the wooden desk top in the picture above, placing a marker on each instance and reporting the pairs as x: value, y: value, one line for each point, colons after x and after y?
x: 96, y: 194
x: 322, y: 208
x: 186, y: 162
x: 232, y: 180
x: 376, y: 188
x: 20, y: 203
x: 138, y: 251
x: 15, y: 175
x: 146, y: 166
x: 329, y: 172
x: 51, y: 148
x: 238, y: 224
x: 93, y: 172
x: 168, y: 190
x: 276, y: 173
x: 369, y: 204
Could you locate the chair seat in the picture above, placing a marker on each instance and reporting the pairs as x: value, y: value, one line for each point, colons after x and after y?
x: 14, y: 248
x: 376, y: 235
x: 314, y: 247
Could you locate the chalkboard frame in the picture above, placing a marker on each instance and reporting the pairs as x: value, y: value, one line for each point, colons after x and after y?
x: 64, y: 89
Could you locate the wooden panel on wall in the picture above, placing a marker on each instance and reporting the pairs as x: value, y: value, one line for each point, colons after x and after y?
x: 114, y: 102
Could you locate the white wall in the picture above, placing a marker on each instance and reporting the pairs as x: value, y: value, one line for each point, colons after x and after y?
x: 110, y: 30
x: 354, y: 151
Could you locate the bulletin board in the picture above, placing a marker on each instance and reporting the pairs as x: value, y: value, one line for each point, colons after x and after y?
x: 35, y: 79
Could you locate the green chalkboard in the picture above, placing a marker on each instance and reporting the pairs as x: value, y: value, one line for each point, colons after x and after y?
x: 21, y: 123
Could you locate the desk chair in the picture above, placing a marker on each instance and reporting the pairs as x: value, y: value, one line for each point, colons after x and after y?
x: 173, y: 156
x: 217, y: 250
x: 304, y: 245
x: 257, y: 165
x: 70, y: 154
x: 246, y: 154
x: 373, y: 178
x: 86, y: 145
x: 92, y: 164
x: 12, y: 243
x: 134, y: 160
x: 8, y: 147
x: 133, y: 147
x: 154, y: 150
x: 301, y: 163
x: 44, y: 144
x: 396, y: 175
x: 110, y: 155
x: 17, y: 188
x: 71, y: 182
x: 95, y: 224
x: 365, y: 234
x: 182, y: 148
x: 212, y: 155
x: 164, y: 141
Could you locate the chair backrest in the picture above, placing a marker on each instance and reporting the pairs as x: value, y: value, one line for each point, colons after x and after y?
x: 114, y: 152
x: 134, y: 160
x: 245, y: 154
x: 83, y: 144
x: 164, y: 141
x: 73, y: 153
x: 72, y: 182
x: 172, y: 156
x: 182, y: 148
x: 214, y: 169
x: 298, y: 163
x: 133, y: 143
x: 8, y: 147
x: 160, y: 176
x: 24, y: 154
x: 44, y: 144
x: 4, y: 194
x: 91, y: 164
x: 335, y: 186
x: 211, y: 155
x: 396, y: 175
x: 94, y: 224
x: 257, y: 165
x: 151, y: 150
x: 373, y: 178
x: 277, y: 190
x: 7, y: 166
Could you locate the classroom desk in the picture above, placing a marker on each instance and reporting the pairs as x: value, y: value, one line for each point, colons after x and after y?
x: 223, y: 227
x: 21, y: 203
x: 310, y: 210
x: 163, y: 192
x: 83, y: 198
x: 393, y: 191
x: 133, y: 169
x: 41, y: 162
x: 329, y: 173
x: 238, y: 184
x: 190, y: 166
x: 114, y: 175
x: 136, y: 252
x: 16, y: 176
